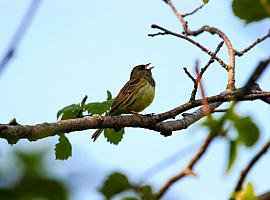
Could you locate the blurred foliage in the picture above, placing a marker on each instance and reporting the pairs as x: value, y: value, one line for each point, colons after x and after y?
x: 251, y: 10
x: 247, y: 132
x: 117, y: 183
x: 32, y: 182
x: 63, y: 149
x: 246, y: 193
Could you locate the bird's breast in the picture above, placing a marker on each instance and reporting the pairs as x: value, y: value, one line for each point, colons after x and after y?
x: 143, y: 98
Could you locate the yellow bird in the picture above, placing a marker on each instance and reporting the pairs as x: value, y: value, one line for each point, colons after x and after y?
x: 136, y: 95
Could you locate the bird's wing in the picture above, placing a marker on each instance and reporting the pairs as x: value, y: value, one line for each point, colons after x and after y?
x: 127, y: 92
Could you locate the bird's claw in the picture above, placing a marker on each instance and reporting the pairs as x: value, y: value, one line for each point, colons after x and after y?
x: 98, y: 117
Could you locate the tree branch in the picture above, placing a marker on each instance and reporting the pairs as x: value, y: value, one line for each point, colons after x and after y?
x: 194, y: 11
x: 255, y: 75
x: 231, y: 66
x: 167, y: 162
x: 18, y: 35
x: 187, y: 32
x: 252, y: 162
x: 188, y: 169
x: 264, y: 196
x: 152, y: 122
x: 14, y: 132
x: 259, y: 40
x: 168, y: 32
x: 199, y: 76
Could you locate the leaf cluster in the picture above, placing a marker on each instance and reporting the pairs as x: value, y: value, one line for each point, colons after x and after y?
x: 32, y: 180
x: 77, y: 110
x: 63, y: 149
x: 246, y: 132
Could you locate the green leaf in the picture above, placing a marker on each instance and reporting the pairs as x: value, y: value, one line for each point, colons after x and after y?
x: 248, y: 132
x: 109, y: 95
x: 247, y: 193
x: 115, y: 184
x: 215, y: 126
x: 112, y: 136
x: 205, y: 1
x: 63, y: 149
x: 83, y: 101
x: 98, y: 107
x: 251, y: 10
x: 146, y: 193
x: 70, y: 112
x: 232, y: 154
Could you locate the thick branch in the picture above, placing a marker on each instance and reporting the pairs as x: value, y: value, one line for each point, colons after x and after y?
x: 166, y: 128
x: 152, y: 122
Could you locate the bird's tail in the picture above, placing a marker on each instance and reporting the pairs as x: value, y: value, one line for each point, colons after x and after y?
x: 97, y: 134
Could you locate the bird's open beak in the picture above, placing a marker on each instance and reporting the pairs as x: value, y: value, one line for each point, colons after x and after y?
x: 148, y: 66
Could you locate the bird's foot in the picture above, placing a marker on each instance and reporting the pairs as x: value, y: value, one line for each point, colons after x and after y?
x: 98, y: 117
x: 134, y: 113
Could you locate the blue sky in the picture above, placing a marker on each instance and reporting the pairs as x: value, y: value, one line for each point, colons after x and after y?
x: 83, y: 47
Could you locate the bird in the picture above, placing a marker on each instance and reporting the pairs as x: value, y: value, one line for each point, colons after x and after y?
x: 136, y: 95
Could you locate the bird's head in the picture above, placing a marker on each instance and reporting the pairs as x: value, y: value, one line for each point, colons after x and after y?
x: 141, y: 70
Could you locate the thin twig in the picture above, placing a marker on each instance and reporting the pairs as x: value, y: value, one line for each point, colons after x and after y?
x: 211, y: 60
x: 188, y: 169
x: 179, y: 16
x: 20, y: 32
x: 212, y: 30
x: 189, y: 75
x: 259, y: 40
x: 252, y: 162
x: 205, y: 103
x: 231, y: 66
x: 194, y: 11
x: 200, y: 74
x: 168, y: 32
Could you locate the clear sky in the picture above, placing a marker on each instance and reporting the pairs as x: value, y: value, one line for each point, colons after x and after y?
x: 74, y: 48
